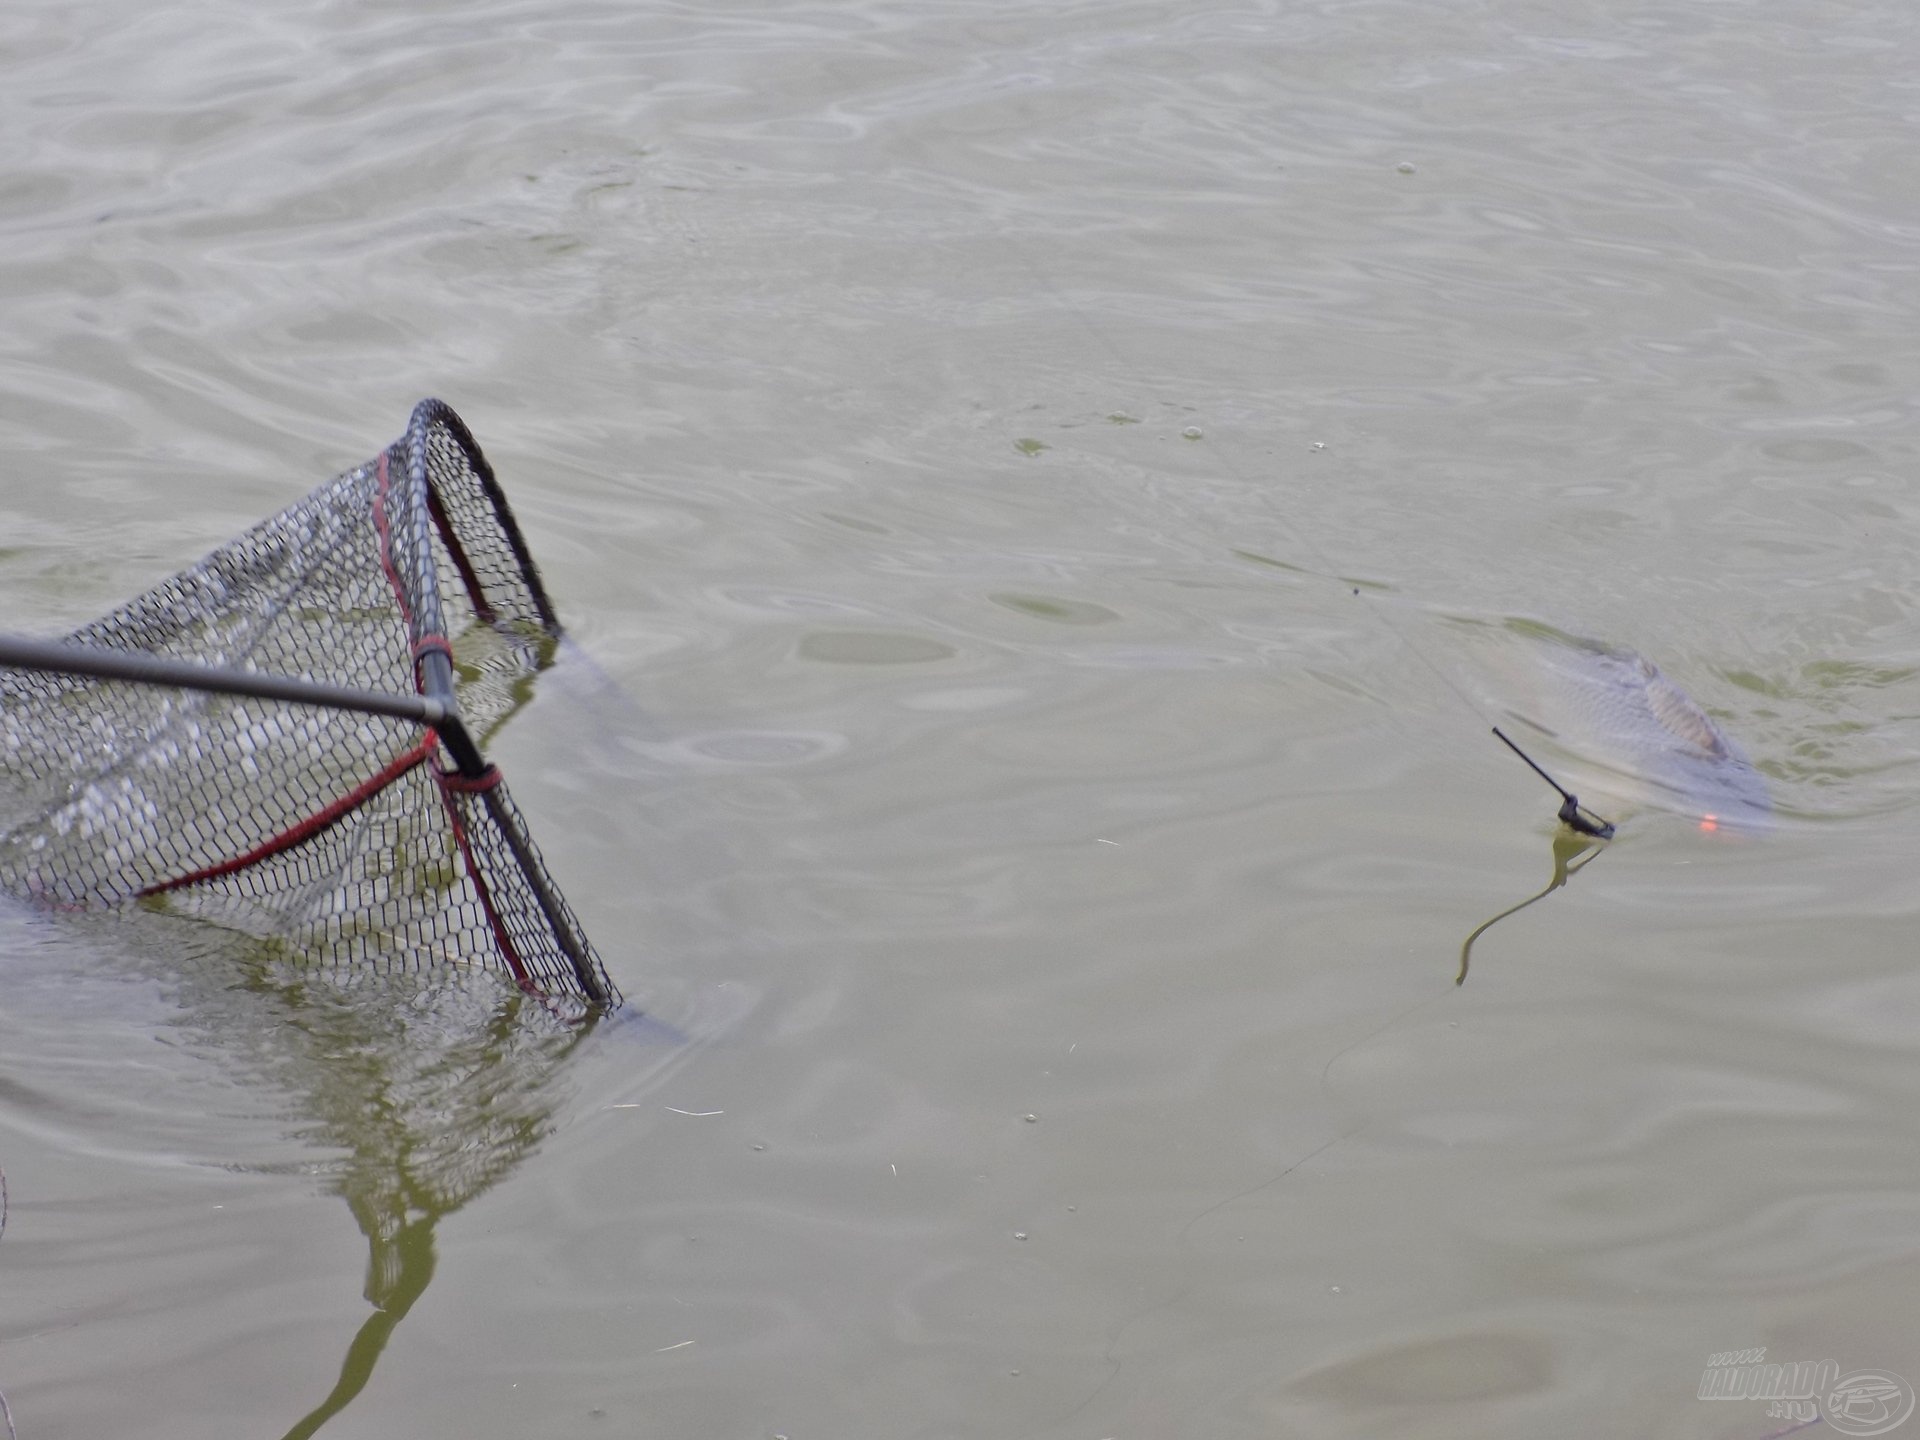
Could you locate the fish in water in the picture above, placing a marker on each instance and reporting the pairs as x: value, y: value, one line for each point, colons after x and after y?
x: 1612, y: 710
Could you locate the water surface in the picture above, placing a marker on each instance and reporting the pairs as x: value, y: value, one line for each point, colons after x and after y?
x: 1015, y: 469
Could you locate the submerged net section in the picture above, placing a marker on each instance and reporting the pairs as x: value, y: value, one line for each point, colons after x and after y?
x: 337, y: 836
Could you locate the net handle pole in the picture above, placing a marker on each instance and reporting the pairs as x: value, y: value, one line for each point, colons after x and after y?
x: 138, y: 668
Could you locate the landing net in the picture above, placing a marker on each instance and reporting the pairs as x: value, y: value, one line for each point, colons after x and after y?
x: 337, y: 836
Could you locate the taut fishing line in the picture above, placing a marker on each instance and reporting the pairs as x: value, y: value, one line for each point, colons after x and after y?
x: 1572, y: 813
x: 1575, y: 816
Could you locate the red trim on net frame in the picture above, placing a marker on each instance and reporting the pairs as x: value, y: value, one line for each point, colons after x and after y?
x: 500, y: 936
x: 307, y: 829
x: 468, y: 784
x: 423, y: 647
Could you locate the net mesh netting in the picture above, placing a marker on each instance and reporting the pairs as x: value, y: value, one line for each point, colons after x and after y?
x: 341, y: 838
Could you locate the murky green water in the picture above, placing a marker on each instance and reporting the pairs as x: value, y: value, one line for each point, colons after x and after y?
x: 1060, y: 494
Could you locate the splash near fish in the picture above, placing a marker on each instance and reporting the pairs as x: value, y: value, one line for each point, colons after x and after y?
x: 1625, y: 732
x: 1615, y: 720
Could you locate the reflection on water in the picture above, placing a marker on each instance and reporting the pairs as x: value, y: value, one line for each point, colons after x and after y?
x: 427, y: 1094
x: 1568, y: 848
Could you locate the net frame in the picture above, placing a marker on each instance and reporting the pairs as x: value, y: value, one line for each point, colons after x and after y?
x: 183, y: 753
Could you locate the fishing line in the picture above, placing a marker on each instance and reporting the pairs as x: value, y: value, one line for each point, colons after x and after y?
x: 1571, y: 813
x: 1186, y: 1230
